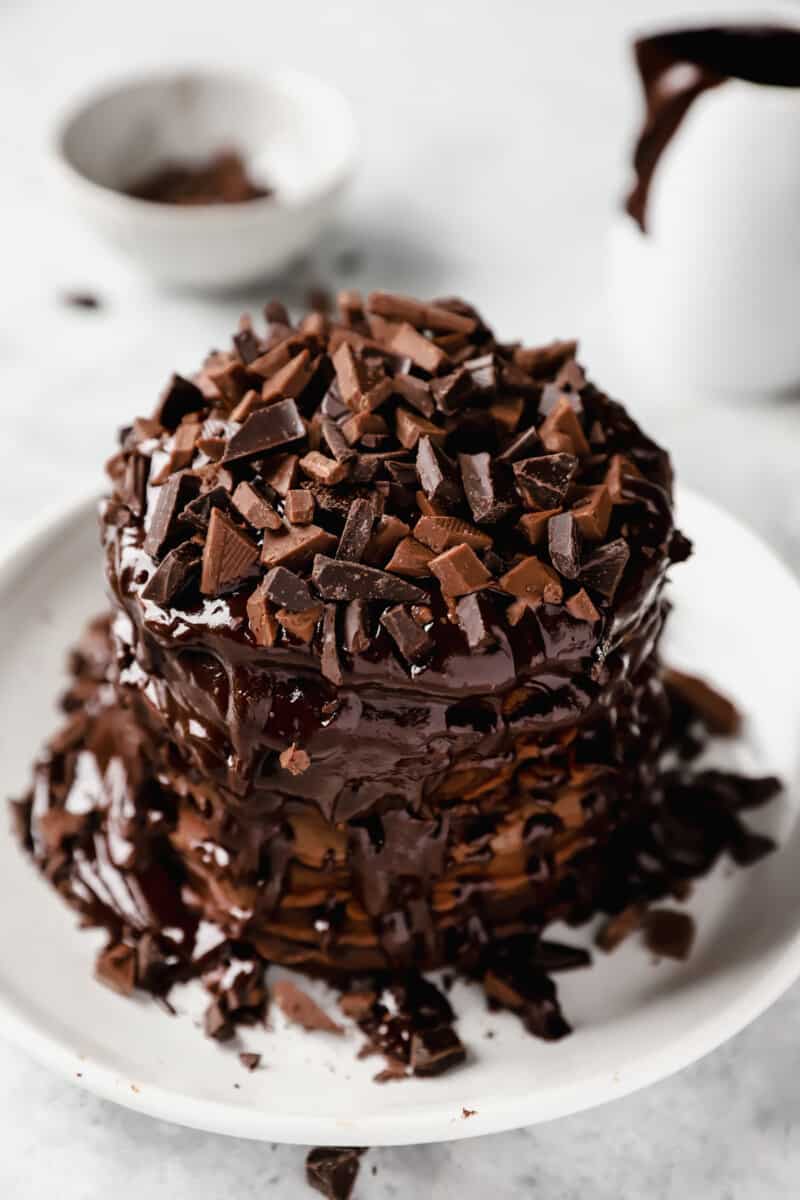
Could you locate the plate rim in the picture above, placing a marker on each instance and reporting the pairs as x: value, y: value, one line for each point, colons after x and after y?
x: 398, y: 1127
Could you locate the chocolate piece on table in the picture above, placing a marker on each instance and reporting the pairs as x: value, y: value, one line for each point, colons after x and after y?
x: 357, y: 530
x: 474, y: 624
x: 299, y: 506
x: 437, y: 474
x: 174, y: 573
x: 229, y: 555
x: 411, y: 640
x: 533, y: 580
x: 459, y: 571
x: 286, y: 589
x: 542, y: 482
x: 171, y: 497
x: 412, y: 558
x: 669, y: 933
x: 603, y: 570
x: 254, y: 506
x: 266, y: 429
x: 329, y: 659
x: 534, y: 524
x: 300, y: 1009
x: 298, y: 544
x: 489, y: 497
x: 564, y: 544
x: 336, y: 579
x: 332, y: 1170
x: 717, y: 712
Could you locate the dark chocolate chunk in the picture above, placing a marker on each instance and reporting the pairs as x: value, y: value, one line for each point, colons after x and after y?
x: 619, y: 927
x: 411, y: 640
x: 451, y: 392
x: 522, y: 446
x: 329, y: 658
x: 335, y: 579
x: 116, y: 967
x: 434, y: 1051
x: 179, y: 397
x: 437, y: 474
x: 604, y: 569
x: 489, y: 496
x: 286, y: 589
x: 717, y: 713
x: 332, y: 1170
x: 173, y: 575
x: 197, y: 513
x: 669, y: 933
x: 357, y: 531
x: 170, y: 500
x: 474, y: 624
x: 249, y: 1061
x: 229, y: 556
x: 266, y: 429
x: 564, y: 545
x: 416, y: 392
x: 543, y: 482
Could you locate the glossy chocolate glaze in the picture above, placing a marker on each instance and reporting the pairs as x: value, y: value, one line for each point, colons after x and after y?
x: 678, y: 66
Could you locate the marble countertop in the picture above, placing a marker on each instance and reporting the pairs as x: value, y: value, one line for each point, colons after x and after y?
x: 494, y: 142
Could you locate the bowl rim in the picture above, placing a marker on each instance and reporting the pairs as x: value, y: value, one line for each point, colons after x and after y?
x: 259, y: 208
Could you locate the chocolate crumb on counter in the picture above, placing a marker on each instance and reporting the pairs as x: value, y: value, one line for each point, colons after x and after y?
x: 332, y: 1170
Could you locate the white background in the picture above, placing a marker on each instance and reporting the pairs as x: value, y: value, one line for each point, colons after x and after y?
x: 495, y: 139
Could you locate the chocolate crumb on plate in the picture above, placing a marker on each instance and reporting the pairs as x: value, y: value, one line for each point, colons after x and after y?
x: 300, y: 1009
x: 669, y: 933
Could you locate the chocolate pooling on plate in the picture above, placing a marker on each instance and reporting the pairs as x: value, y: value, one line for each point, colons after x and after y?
x: 677, y: 67
x: 379, y: 690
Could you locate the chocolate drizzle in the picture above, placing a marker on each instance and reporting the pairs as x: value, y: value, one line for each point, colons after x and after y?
x: 678, y: 66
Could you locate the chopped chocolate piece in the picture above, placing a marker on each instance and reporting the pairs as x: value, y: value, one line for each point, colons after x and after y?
x: 277, y: 356
x: 620, y: 469
x: 669, y: 933
x: 564, y: 544
x: 423, y: 353
x: 543, y: 482
x: 265, y: 430
x: 459, y: 571
x: 289, y: 380
x: 533, y: 580
x: 229, y: 555
x: 286, y: 589
x: 440, y: 533
x: 322, y: 469
x: 553, y: 395
x: 336, y: 441
x: 411, y: 640
x: 179, y: 398
x: 604, y: 569
x: 411, y: 426
x: 544, y: 360
x: 680, y: 547
x: 534, y: 524
x: 217, y: 1024
x: 294, y: 760
x: 301, y: 625
x: 82, y: 300
x: 280, y: 473
x: 332, y: 1170
x: 246, y: 343
x: 581, y: 608
x: 357, y: 426
x: 483, y: 370
x: 171, y: 498
x: 260, y: 618
x: 563, y: 420
x: 619, y: 927
x: 411, y: 558
x: 176, y: 571
x: 329, y: 658
x: 213, y: 476
x: 717, y: 713
x: 507, y: 413
x: 300, y: 1009
x: 363, y: 383
x: 450, y: 392
x: 298, y: 544
x: 116, y: 967
x: 416, y: 392
x: 230, y: 380
x: 182, y: 452
x: 434, y: 1051
x: 357, y: 1005
x: 357, y: 531
x: 249, y: 401
x: 474, y: 624
x: 254, y: 506
x: 489, y: 498
x: 197, y: 513
x: 571, y: 376
x: 299, y: 507
x: 437, y: 474
x: 356, y: 635
x: 593, y: 513
x: 522, y: 446
x: 249, y: 1061
x: 528, y: 992
x: 425, y: 316
x: 335, y: 579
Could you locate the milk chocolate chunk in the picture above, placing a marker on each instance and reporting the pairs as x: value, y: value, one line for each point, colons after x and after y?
x: 459, y: 571
x: 323, y: 469
x: 603, y: 570
x: 336, y: 441
x: 581, y: 608
x: 261, y: 619
x: 474, y: 624
x: 411, y: 558
x: 299, y: 507
x: 534, y: 524
x: 533, y: 580
x: 300, y: 1009
x: 179, y: 398
x: 357, y: 530
x: 593, y: 513
x: 619, y: 927
x: 254, y: 506
x: 543, y: 482
x: 230, y: 379
x: 440, y: 533
x: 410, y: 638
x: 360, y: 424
x: 301, y: 625
x: 290, y: 380
x: 332, y: 1170
x: 425, y: 354
x: 564, y: 545
x: 335, y: 579
x: 173, y: 575
x: 286, y: 589
x: 563, y: 420
x: 620, y: 470
x: 116, y: 967
x: 277, y: 356
x: 489, y: 497
x: 424, y: 316
x: 669, y: 933
x: 411, y: 426
x: 266, y: 429
x: 329, y: 659
x: 416, y: 392
x: 437, y: 474
x: 717, y: 712
x: 280, y: 472
x: 298, y: 544
x: 170, y: 500
x: 229, y: 555
x: 363, y: 383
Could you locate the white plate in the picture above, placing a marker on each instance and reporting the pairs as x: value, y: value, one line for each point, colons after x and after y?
x: 735, y: 618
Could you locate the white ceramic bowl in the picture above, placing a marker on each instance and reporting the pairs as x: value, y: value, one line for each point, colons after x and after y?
x: 294, y: 132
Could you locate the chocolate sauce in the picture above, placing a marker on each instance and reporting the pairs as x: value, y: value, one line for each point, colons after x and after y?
x: 677, y: 67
